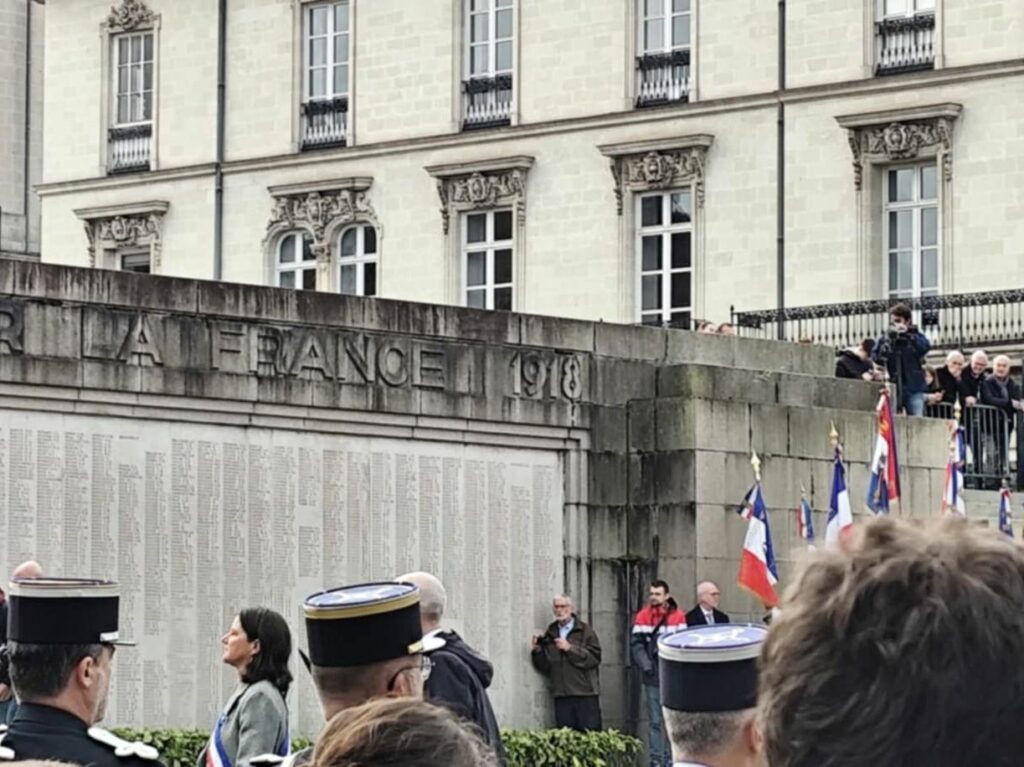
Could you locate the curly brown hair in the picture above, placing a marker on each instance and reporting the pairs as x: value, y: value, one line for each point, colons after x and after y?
x: 902, y: 650
x: 399, y: 732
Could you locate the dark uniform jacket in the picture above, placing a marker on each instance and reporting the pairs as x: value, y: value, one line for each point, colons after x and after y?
x: 574, y: 672
x: 458, y: 680
x: 696, y: 617
x: 42, y: 732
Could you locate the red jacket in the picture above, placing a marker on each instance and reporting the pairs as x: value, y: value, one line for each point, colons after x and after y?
x: 650, y: 624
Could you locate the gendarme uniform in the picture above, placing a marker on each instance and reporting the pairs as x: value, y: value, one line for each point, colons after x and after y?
x: 356, y: 626
x: 710, y: 669
x: 60, y: 611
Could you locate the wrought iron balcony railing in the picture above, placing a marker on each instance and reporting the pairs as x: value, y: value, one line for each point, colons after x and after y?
x: 324, y: 123
x: 993, y: 440
x: 962, y: 321
x: 130, y: 147
x: 487, y: 102
x: 662, y: 78
x: 905, y: 44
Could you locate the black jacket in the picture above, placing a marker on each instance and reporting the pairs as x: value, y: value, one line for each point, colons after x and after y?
x: 1000, y: 394
x: 458, y: 680
x: 970, y: 385
x: 948, y: 385
x: 850, y: 365
x: 43, y: 732
x: 902, y: 357
x: 696, y: 617
x: 574, y: 672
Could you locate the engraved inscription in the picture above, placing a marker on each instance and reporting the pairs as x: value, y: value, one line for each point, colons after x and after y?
x: 547, y: 375
x: 12, y: 327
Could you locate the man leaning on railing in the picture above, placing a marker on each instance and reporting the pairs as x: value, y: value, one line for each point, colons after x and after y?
x: 900, y: 350
x: 1001, y: 392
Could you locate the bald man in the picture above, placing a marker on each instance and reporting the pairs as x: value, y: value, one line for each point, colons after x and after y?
x: 459, y: 675
x: 706, y: 612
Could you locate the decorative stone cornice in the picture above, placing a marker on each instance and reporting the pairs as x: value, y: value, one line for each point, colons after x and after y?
x: 125, y: 226
x: 488, y: 184
x: 321, y: 209
x: 647, y: 165
x: 901, y: 135
x: 129, y: 15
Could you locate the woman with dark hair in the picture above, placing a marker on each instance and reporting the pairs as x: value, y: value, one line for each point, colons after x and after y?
x: 255, y: 720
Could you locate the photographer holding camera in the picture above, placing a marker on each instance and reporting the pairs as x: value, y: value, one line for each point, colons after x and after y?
x: 900, y: 351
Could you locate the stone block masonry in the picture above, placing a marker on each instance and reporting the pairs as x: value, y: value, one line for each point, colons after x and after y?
x: 217, y: 445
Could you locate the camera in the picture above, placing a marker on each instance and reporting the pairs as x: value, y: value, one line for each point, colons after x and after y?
x: 544, y: 640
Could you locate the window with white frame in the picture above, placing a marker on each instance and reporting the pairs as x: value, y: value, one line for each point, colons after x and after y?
x: 665, y: 257
x: 133, y: 78
x: 487, y: 252
x: 357, y: 261
x: 911, y: 230
x: 134, y: 262
x: 905, y: 38
x: 296, y: 263
x: 664, y: 48
x: 487, y: 87
x: 326, y: 69
x: 899, y: 8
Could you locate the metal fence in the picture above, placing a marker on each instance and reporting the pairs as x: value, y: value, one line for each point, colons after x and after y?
x: 954, y: 321
x: 994, y: 440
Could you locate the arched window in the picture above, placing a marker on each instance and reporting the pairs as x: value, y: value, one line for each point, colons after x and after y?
x: 357, y: 261
x: 296, y: 264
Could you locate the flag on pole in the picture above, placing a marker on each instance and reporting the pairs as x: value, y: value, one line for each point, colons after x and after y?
x: 805, y: 520
x: 953, y: 493
x: 840, y: 515
x: 884, y: 487
x: 758, y: 571
x: 1005, y: 514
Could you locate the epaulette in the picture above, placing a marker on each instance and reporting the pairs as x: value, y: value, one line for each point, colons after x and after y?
x: 123, y: 748
x: 6, y: 754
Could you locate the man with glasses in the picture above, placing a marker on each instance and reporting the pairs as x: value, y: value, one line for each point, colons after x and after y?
x: 706, y: 611
x: 569, y: 654
x: 61, y: 635
x: 365, y: 642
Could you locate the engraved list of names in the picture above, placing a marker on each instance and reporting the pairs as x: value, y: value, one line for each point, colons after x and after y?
x: 197, y: 521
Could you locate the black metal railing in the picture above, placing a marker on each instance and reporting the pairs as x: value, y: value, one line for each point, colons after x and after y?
x: 130, y: 147
x: 324, y: 123
x: 993, y: 439
x: 905, y: 44
x: 958, y: 321
x: 487, y: 102
x: 662, y: 78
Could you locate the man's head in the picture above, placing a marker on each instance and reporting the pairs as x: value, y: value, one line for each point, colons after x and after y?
x: 72, y: 677
x: 657, y: 593
x: 562, y: 607
x: 955, y: 363
x: 433, y: 598
x: 979, y: 362
x: 865, y: 348
x: 901, y: 649
x: 1001, y: 367
x: 708, y: 595
x: 729, y: 737
x: 900, y: 315
x: 365, y: 641
x: 29, y: 569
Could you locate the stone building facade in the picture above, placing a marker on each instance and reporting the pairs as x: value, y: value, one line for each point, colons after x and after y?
x: 611, y: 160
x: 21, y: 126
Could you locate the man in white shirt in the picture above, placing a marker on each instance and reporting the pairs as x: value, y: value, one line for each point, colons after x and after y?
x: 706, y: 613
x: 709, y: 694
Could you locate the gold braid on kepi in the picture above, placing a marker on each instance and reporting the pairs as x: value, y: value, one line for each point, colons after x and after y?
x: 63, y: 611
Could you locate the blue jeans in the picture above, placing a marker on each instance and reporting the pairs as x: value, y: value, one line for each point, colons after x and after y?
x: 657, y: 739
x: 914, y: 403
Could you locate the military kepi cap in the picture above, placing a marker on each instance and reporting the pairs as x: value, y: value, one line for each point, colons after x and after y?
x: 366, y: 623
x: 710, y: 669
x: 63, y: 611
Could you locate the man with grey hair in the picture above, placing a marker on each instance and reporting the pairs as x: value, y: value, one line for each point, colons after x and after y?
x: 1001, y: 392
x: 459, y: 675
x: 709, y: 694
x: 706, y: 613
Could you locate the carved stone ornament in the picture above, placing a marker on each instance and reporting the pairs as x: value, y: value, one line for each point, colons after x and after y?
x: 128, y: 15
x: 320, y: 213
x: 480, y: 190
x: 125, y: 231
x: 902, y: 141
x: 659, y: 170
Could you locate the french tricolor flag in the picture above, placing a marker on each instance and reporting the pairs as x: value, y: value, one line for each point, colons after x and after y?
x: 884, y: 487
x: 805, y: 522
x: 953, y: 492
x: 840, y: 515
x: 1005, y: 514
x: 758, y: 571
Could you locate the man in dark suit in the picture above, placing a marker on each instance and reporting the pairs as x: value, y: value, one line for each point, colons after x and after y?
x: 706, y: 612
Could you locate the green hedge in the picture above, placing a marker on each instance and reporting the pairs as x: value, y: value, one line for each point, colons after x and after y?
x: 526, y: 748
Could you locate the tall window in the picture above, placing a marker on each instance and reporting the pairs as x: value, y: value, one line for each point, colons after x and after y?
x: 488, y: 83
x: 357, y: 260
x: 326, y: 50
x: 904, y: 36
x: 133, y: 78
x: 296, y: 264
x: 487, y: 249
x: 912, y: 230
x: 664, y: 258
x: 135, y: 262
x: 663, y: 64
